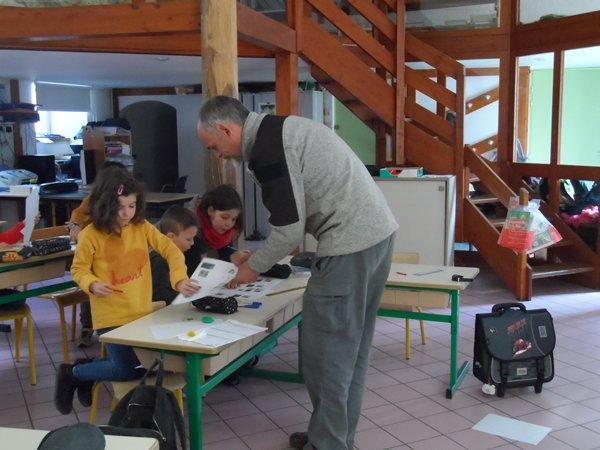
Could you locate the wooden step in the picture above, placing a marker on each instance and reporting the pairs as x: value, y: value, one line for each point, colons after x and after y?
x: 474, y: 179
x: 498, y: 223
x: 557, y: 270
x: 483, y: 199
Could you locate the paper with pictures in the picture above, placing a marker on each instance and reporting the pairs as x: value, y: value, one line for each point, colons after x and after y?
x: 32, y: 207
x: 209, y: 274
x: 212, y: 275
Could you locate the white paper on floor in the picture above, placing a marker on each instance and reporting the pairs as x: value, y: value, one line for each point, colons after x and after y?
x: 512, y: 429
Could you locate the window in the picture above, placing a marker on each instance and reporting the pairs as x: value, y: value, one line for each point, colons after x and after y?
x: 64, y: 123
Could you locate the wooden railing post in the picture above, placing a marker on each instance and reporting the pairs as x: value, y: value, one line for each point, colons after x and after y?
x: 522, y: 281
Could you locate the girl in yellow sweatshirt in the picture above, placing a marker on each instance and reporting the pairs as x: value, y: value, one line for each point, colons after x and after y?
x: 112, y: 265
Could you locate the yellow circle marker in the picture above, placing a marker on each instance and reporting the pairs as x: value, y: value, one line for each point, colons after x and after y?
x: 191, y: 333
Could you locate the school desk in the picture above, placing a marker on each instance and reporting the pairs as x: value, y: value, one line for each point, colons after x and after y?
x: 278, y: 313
x: 417, y: 277
x: 25, y: 439
x: 32, y: 270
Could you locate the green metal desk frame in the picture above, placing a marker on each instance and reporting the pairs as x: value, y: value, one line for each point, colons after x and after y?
x: 197, y: 388
x: 456, y: 376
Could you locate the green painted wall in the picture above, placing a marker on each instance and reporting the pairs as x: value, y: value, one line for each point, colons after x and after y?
x: 580, y: 131
x: 357, y: 135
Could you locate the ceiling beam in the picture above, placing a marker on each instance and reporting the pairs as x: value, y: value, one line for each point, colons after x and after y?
x: 185, y: 44
x: 140, y: 20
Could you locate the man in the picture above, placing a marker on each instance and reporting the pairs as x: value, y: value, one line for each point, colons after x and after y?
x: 313, y: 183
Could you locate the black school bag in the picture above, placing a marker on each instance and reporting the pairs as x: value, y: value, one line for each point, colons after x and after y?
x: 149, y: 411
x: 514, y: 347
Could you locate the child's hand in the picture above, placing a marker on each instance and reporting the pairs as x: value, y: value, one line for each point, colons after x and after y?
x: 187, y: 287
x: 74, y: 231
x: 101, y: 289
x: 240, y: 257
x: 37, y: 218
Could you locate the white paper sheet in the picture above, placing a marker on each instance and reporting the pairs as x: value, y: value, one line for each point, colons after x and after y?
x: 170, y: 330
x: 32, y: 207
x: 209, y: 274
x: 512, y: 429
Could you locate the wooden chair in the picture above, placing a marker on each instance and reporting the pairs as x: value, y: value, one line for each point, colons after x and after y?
x: 410, y: 258
x: 174, y: 382
x: 63, y: 299
x: 18, y: 315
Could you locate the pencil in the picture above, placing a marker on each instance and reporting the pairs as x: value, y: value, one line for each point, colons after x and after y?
x: 400, y: 273
x: 117, y: 290
x: 286, y: 290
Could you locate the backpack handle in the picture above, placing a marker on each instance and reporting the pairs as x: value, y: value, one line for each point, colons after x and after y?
x: 159, y: 373
x: 501, y: 307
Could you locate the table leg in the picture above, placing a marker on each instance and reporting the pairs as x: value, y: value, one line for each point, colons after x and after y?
x: 456, y: 376
x: 194, y: 399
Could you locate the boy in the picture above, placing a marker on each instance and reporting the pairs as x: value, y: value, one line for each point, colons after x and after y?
x: 181, y: 226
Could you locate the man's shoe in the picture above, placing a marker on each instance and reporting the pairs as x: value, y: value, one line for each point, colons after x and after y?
x: 64, y: 390
x: 84, y: 388
x: 85, y: 338
x: 298, y: 440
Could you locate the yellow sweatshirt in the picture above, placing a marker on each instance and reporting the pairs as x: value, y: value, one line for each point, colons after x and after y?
x: 123, y: 262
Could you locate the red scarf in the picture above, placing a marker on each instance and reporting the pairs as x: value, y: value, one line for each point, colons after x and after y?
x: 212, y: 237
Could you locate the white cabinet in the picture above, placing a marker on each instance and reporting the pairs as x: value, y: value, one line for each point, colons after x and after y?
x: 425, y: 209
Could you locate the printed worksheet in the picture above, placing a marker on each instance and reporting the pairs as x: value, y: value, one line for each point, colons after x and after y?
x: 212, y: 275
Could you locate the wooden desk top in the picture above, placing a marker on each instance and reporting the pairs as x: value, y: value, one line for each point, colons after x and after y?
x: 433, y: 277
x: 138, y: 333
x: 26, y: 439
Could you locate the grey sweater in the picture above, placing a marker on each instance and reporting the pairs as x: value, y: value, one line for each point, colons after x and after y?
x: 332, y: 196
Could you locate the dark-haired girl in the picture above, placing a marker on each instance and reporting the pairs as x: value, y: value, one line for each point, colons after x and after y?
x: 112, y: 265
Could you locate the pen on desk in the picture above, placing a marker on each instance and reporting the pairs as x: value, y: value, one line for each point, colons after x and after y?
x: 428, y: 273
x: 401, y: 273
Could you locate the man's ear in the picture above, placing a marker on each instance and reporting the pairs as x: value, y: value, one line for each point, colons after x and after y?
x: 171, y: 235
x: 223, y: 128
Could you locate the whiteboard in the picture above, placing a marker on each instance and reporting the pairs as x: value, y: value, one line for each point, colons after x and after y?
x: 425, y: 211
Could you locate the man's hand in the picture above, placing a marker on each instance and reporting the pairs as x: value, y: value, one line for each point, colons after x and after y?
x: 244, y: 275
x: 187, y: 287
x: 102, y: 289
x: 240, y: 257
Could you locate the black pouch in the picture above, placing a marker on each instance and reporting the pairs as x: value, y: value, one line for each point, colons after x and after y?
x: 281, y: 271
x: 227, y: 305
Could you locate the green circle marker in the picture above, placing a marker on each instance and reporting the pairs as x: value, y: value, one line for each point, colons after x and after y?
x: 208, y: 319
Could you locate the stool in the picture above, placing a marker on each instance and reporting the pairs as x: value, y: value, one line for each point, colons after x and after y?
x: 18, y: 315
x: 174, y: 382
x: 69, y: 297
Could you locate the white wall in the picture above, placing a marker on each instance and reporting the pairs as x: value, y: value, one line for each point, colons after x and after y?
x: 480, y: 124
x: 190, y: 150
x: 100, y: 104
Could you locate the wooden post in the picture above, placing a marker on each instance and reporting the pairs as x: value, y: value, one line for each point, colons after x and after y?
x: 557, y: 91
x: 400, y: 83
x: 522, y: 282
x: 219, y: 74
x: 286, y: 83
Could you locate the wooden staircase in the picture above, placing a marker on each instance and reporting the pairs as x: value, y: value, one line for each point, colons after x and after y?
x: 569, y: 257
x: 359, y: 66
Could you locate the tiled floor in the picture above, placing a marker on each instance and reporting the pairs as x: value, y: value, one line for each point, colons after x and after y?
x: 404, y: 406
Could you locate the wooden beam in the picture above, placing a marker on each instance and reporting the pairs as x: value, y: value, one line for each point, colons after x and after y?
x: 465, y: 44
x: 437, y: 125
x: 219, y: 74
x: 423, y: 150
x: 462, y: 180
x: 440, y: 109
x: 523, y: 106
x: 188, y: 44
x: 15, y: 97
x: 431, y: 89
x: 485, y: 145
x: 482, y: 100
x: 560, y: 171
x: 377, y: 17
x: 69, y: 22
x: 557, y: 91
x: 432, y: 56
x: 560, y: 34
x: 286, y: 84
x: 258, y: 29
x: 398, y: 140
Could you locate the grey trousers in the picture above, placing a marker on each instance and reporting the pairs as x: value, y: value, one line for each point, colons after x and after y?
x: 339, y: 312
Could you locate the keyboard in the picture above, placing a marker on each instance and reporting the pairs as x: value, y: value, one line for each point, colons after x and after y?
x: 47, y: 246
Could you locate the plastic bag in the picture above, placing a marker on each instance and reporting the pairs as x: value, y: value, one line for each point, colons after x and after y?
x: 526, y: 229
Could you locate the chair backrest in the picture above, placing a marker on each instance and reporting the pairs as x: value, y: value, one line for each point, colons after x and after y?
x: 180, y: 184
x: 44, y: 233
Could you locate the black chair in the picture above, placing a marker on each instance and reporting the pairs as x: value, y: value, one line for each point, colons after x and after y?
x: 178, y: 186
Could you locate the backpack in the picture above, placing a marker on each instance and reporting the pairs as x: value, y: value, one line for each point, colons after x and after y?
x: 149, y: 411
x: 514, y: 347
